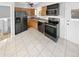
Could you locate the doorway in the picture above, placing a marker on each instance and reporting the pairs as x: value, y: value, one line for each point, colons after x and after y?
x: 5, y: 22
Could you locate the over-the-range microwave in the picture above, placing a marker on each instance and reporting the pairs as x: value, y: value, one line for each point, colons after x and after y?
x: 53, y: 10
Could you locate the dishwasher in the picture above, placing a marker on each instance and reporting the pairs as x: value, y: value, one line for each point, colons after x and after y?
x: 41, y: 27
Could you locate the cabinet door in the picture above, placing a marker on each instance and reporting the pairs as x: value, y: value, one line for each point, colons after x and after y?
x: 23, y: 9
x: 43, y: 11
x: 20, y: 9
x: 32, y: 23
x: 27, y: 11
x: 32, y: 12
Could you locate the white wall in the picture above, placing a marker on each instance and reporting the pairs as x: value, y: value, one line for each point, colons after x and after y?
x: 71, y: 31
x: 73, y: 34
x: 72, y: 28
x: 5, y: 3
x: 4, y: 13
x: 62, y: 21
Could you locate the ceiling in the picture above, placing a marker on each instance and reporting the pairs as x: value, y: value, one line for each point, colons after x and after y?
x: 27, y: 3
x: 35, y: 4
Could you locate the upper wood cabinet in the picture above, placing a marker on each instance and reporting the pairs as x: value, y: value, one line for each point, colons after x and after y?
x: 43, y: 11
x: 17, y: 9
x: 20, y: 9
x: 30, y: 11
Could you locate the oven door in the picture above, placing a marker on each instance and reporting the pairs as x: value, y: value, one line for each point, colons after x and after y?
x: 51, y: 30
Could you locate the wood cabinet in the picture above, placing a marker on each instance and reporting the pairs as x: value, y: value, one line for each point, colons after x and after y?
x: 29, y: 11
x: 33, y: 23
x: 20, y: 9
x: 17, y: 9
x: 32, y: 12
x: 43, y: 11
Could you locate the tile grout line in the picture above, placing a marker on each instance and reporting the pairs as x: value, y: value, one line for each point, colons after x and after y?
x: 43, y: 50
x: 5, y: 49
x: 17, y: 39
x: 34, y: 46
x: 65, y: 48
x: 54, y: 49
x: 15, y: 46
x: 26, y: 48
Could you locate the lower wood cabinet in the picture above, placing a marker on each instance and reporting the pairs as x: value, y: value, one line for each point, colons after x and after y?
x: 33, y: 23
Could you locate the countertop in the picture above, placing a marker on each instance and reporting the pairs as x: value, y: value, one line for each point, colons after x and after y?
x: 39, y: 19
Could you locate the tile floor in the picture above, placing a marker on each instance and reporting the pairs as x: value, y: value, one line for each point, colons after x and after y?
x: 4, y: 36
x: 32, y: 43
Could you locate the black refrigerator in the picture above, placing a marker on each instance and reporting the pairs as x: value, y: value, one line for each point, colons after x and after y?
x: 20, y: 22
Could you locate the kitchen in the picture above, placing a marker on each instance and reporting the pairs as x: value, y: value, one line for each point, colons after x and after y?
x: 41, y: 29
x: 41, y: 24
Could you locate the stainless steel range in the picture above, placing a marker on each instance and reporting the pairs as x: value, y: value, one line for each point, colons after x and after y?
x: 52, y: 28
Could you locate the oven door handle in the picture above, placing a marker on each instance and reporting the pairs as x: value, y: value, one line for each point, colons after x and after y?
x: 51, y: 25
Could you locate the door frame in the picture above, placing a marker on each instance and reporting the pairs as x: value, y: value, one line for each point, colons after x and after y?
x: 11, y: 5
